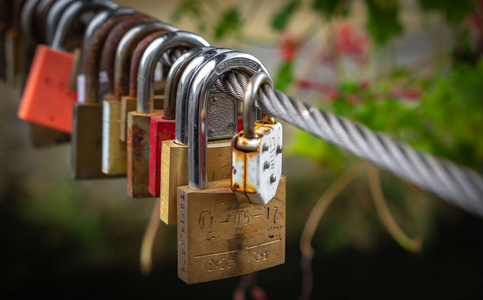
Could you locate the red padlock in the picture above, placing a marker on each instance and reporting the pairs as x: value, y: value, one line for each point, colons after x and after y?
x: 47, y: 99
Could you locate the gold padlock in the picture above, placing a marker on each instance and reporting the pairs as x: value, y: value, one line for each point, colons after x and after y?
x: 87, y: 122
x: 114, y: 153
x: 174, y: 154
x: 139, y: 122
x: 219, y: 237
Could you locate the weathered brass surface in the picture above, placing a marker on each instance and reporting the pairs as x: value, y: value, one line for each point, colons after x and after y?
x: 219, y: 237
x: 138, y: 133
x: 129, y: 104
x: 87, y: 141
x: 174, y: 172
x: 45, y: 137
x: 115, y: 161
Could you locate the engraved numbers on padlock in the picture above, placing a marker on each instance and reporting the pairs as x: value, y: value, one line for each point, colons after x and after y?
x: 207, y: 247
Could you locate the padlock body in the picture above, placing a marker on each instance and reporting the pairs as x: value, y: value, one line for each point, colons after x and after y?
x: 174, y: 172
x: 43, y: 137
x: 163, y: 130
x: 47, y: 99
x: 129, y: 104
x: 12, y: 53
x: 219, y: 237
x: 114, y: 153
x: 138, y: 133
x: 87, y: 141
x: 257, y: 164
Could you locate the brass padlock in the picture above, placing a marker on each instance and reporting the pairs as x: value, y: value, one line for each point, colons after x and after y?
x: 219, y: 237
x: 129, y: 103
x: 113, y: 148
x: 87, y: 124
x: 139, y: 121
x: 174, y: 154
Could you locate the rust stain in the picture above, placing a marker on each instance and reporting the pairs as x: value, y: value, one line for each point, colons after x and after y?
x: 136, y: 59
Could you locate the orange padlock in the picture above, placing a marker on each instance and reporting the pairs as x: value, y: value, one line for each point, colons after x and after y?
x: 47, y: 99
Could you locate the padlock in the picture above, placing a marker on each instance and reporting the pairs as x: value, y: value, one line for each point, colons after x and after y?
x: 257, y: 151
x: 42, y: 136
x: 174, y: 154
x: 87, y: 124
x: 113, y: 149
x: 12, y: 45
x: 6, y: 22
x: 47, y: 99
x: 129, y: 103
x: 161, y: 125
x: 139, y: 121
x: 219, y: 237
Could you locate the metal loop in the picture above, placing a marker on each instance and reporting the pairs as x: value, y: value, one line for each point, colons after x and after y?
x: 249, y: 110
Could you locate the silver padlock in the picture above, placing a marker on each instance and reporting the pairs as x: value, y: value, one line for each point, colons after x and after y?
x: 256, y: 151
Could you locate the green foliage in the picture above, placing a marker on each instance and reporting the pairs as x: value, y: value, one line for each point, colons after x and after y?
x: 329, y: 8
x: 187, y: 7
x: 229, y: 23
x: 383, y: 21
x: 453, y: 11
x: 284, y: 76
x: 281, y: 19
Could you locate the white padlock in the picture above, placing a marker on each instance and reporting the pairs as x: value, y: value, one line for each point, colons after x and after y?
x: 256, y: 151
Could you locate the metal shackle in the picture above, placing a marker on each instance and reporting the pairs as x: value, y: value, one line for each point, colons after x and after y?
x: 26, y: 19
x: 113, y: 39
x: 198, y: 102
x: 94, y: 40
x: 172, y: 81
x: 183, y: 88
x: 249, y: 110
x: 53, y: 17
x: 150, y: 58
x: 125, y: 50
x: 72, y: 13
x: 40, y: 18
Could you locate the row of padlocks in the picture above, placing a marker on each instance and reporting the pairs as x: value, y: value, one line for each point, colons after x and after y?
x: 175, y: 138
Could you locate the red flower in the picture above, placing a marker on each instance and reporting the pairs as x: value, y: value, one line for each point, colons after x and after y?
x: 289, y: 46
x: 351, y: 42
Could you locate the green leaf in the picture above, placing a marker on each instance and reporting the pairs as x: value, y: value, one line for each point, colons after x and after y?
x: 281, y: 19
x: 383, y: 21
x: 453, y: 11
x: 229, y: 23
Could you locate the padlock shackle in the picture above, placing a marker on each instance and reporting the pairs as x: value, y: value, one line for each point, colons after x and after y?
x: 72, y: 14
x: 40, y: 18
x: 183, y: 87
x: 249, y: 110
x: 198, y: 103
x: 151, y: 57
x: 112, y: 41
x: 125, y: 50
x: 53, y: 17
x: 26, y: 20
x: 172, y: 81
x: 94, y: 40
x: 136, y: 60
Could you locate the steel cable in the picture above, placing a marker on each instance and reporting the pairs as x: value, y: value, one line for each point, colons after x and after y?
x: 456, y: 184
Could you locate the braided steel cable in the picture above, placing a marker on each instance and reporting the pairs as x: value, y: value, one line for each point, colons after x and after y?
x: 456, y: 184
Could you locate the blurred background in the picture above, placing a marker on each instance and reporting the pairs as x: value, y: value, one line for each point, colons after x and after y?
x: 409, y: 68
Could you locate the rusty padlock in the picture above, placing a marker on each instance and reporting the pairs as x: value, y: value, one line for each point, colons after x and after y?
x: 47, y: 99
x: 219, y: 237
x: 87, y: 124
x: 139, y: 121
x: 257, y: 151
x: 113, y: 149
x: 174, y: 154
x: 129, y: 103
